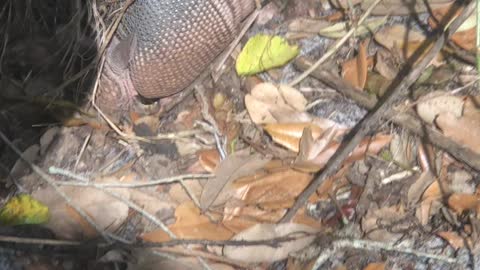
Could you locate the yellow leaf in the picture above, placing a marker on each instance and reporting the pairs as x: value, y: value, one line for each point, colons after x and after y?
x: 23, y: 209
x: 263, y: 52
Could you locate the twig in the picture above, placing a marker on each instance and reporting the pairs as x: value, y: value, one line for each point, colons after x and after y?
x: 38, y: 241
x: 335, y: 47
x: 144, y: 213
x: 403, y: 119
x: 250, y: 20
x: 82, y: 150
x: 372, y: 245
x: 200, y: 91
x: 50, y: 181
x: 84, y: 182
x: 383, y: 110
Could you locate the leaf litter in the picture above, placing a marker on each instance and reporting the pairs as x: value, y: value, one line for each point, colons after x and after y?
x: 227, y: 209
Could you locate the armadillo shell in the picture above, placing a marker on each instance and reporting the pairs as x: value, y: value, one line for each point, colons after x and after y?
x: 177, y: 39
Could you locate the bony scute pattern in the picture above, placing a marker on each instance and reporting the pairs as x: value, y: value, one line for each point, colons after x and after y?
x: 177, y: 39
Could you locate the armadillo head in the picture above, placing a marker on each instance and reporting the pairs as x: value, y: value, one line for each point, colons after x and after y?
x: 116, y: 91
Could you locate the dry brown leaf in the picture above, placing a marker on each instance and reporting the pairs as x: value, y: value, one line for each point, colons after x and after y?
x: 435, y: 103
x: 301, y: 217
x: 460, y: 202
x: 155, y: 205
x: 236, y: 165
x: 417, y: 189
x: 394, y: 7
x: 400, y: 7
x: 397, y: 36
x: 455, y: 240
x: 402, y: 41
x: 304, y: 27
x: 258, y: 254
x: 355, y: 70
x: 267, y: 102
x: 288, y: 135
x: 309, y: 149
x: 368, y: 145
x: 401, y: 148
x: 292, y: 97
x: 306, y: 143
x: 264, y: 197
x: 190, y: 224
x: 387, y: 215
x: 430, y: 203
x: 464, y: 130
x: 465, y: 39
x: 107, y: 212
x: 148, y: 260
x: 209, y: 159
x: 276, y: 187
x: 237, y: 219
x: 375, y: 266
x: 179, y: 195
x: 385, y: 64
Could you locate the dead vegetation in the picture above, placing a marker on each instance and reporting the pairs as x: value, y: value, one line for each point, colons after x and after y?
x: 362, y: 153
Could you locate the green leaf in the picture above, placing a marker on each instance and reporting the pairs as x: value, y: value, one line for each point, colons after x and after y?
x: 263, y: 52
x: 23, y: 209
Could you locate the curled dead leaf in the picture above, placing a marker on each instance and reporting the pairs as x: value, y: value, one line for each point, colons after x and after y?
x: 460, y: 202
x: 355, y: 70
x: 190, y: 224
x: 267, y: 102
x: 236, y: 165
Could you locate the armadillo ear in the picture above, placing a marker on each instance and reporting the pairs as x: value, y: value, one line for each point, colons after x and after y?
x: 121, y: 52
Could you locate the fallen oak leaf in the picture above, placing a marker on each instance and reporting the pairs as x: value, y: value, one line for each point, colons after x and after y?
x: 267, y: 102
x: 190, y: 224
x: 465, y: 129
x: 209, y: 159
x: 106, y: 211
x: 355, y: 70
x: 375, y: 266
x: 310, y: 147
x: 437, y: 102
x: 368, y: 145
x: 465, y: 36
x: 460, y: 202
x: 236, y: 165
x: 289, y: 134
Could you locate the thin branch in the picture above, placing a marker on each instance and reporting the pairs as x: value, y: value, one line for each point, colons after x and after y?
x: 336, y: 46
x: 50, y: 181
x: 383, y: 110
x: 372, y: 245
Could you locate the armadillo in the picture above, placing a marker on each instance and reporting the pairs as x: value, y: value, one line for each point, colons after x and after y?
x: 162, y: 46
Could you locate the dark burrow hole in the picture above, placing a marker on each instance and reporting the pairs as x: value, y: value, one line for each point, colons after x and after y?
x: 48, y: 51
